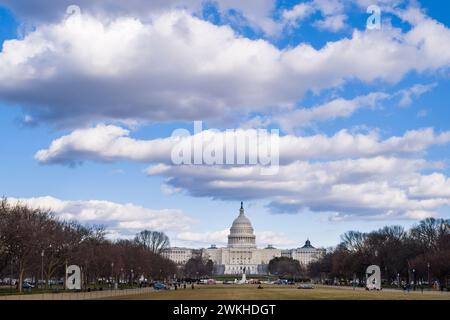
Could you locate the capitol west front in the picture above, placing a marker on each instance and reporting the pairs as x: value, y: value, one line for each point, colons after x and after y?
x: 241, y: 254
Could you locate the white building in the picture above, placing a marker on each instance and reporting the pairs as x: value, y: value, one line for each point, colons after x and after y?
x: 181, y: 255
x: 306, y: 254
x: 242, y: 255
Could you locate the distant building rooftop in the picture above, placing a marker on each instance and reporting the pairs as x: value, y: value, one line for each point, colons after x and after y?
x: 308, y: 245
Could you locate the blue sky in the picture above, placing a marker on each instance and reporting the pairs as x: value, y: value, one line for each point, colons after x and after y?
x: 88, y: 104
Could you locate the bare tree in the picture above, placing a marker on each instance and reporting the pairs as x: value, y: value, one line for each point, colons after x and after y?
x: 285, y: 267
x: 35, y: 242
x: 4, y: 254
x: 354, y: 241
x: 429, y: 232
x: 155, y: 241
x: 25, y: 231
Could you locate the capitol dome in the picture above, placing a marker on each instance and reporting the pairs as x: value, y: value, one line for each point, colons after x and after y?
x: 241, y: 232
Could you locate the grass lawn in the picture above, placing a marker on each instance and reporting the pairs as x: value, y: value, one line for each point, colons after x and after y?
x: 250, y: 292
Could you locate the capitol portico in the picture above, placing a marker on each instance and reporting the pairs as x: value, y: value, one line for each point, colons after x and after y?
x: 241, y: 254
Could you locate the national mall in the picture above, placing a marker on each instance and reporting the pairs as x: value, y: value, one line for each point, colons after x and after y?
x: 241, y: 254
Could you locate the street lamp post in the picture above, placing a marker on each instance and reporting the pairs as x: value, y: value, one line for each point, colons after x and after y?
x: 112, y: 273
x: 42, y: 267
x: 428, y: 269
x: 12, y: 274
x: 398, y: 280
x: 414, y: 279
x: 132, y: 278
x: 65, y: 275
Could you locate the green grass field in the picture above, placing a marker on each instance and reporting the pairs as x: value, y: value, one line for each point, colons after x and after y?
x: 251, y: 292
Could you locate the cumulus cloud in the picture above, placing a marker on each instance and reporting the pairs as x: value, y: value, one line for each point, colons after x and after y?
x: 257, y: 14
x: 275, y: 239
x: 170, y: 65
x: 109, y: 143
x: 87, y: 69
x: 121, y: 220
x: 44, y: 11
x: 337, y: 108
x: 347, y: 175
x: 105, y: 143
x: 333, y: 23
x: 416, y: 91
x: 366, y: 188
x: 298, y: 12
x: 206, y: 238
x: 332, y: 12
x: 177, y: 67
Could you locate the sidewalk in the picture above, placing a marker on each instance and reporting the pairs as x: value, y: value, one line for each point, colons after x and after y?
x: 93, y: 295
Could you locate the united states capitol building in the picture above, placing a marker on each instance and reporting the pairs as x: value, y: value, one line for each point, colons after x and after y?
x: 241, y: 254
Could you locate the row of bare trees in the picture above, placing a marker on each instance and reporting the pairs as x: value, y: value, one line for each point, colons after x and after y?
x: 197, y: 268
x: 34, y: 244
x: 285, y: 267
x: 421, y: 254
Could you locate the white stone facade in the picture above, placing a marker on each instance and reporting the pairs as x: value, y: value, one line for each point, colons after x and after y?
x: 180, y: 255
x: 242, y: 255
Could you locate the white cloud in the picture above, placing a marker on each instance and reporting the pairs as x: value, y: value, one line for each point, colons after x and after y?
x: 434, y: 185
x: 353, y: 175
x: 422, y: 113
x: 332, y: 23
x: 298, y: 12
x: 332, y: 12
x: 206, y: 238
x: 174, y: 66
x: 276, y: 239
x: 256, y: 13
x: 121, y: 220
x: 178, y: 67
x: 380, y: 187
x: 105, y: 143
x: 338, y: 108
x: 385, y: 4
x: 109, y: 143
x: 416, y: 91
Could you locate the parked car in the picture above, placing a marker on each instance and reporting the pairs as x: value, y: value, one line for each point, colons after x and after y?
x: 281, y: 282
x: 160, y: 286
x: 27, y: 286
x: 305, y: 286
